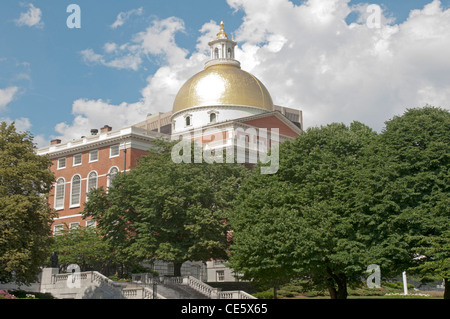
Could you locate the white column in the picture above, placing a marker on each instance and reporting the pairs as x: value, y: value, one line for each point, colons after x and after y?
x: 405, y: 284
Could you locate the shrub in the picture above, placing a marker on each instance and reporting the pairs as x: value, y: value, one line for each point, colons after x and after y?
x: 268, y: 294
x: 21, y: 294
x: 4, y: 294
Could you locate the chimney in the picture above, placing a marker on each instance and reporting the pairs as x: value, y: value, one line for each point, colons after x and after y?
x: 94, y: 131
x: 106, y: 128
x: 54, y: 142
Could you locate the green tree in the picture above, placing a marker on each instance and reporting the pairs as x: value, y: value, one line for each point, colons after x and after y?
x: 417, y: 147
x: 264, y: 233
x: 308, y: 220
x: 168, y: 211
x: 85, y: 247
x: 25, y: 215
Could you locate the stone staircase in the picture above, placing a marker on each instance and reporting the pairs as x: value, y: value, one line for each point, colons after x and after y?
x: 93, y: 285
x: 186, y: 287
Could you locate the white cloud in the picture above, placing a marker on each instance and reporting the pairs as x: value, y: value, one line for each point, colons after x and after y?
x: 130, y: 60
x: 156, y: 41
x: 310, y: 59
x: 122, y: 17
x: 162, y: 86
x: 22, y: 124
x: 7, y: 95
x: 31, y: 18
x: 306, y: 55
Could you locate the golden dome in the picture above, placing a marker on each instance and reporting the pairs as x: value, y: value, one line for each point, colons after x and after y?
x: 223, y: 84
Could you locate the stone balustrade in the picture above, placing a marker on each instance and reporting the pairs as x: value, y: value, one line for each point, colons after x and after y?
x: 94, y: 285
x: 192, y: 282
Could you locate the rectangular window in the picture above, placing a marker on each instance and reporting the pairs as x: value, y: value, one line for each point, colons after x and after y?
x: 74, y: 225
x: 114, y: 151
x: 93, y: 156
x: 91, y: 223
x: 77, y: 160
x: 58, y: 229
x: 220, y: 275
x: 61, y: 163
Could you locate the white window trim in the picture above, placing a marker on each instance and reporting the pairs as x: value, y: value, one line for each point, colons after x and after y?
x: 118, y: 151
x: 65, y: 163
x: 91, y: 160
x: 220, y: 275
x: 108, y: 176
x: 87, y: 182
x: 91, y: 223
x: 73, y: 225
x: 72, y: 205
x: 190, y: 120
x: 64, y: 194
x: 58, y: 232
x: 73, y: 160
x: 213, y: 112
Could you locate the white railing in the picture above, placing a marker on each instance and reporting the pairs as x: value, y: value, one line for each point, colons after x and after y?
x: 125, y: 292
x: 194, y: 283
x: 238, y: 294
x: 89, y: 278
x: 201, y: 287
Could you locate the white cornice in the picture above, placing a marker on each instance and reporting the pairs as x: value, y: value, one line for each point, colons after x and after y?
x: 130, y: 135
x: 223, y: 126
x: 277, y: 114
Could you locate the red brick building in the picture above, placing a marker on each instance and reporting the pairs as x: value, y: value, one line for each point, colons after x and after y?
x: 91, y: 162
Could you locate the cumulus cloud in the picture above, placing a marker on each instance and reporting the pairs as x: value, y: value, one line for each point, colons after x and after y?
x: 156, y: 43
x: 7, y: 95
x: 30, y: 18
x: 22, y: 124
x: 307, y: 55
x: 311, y: 59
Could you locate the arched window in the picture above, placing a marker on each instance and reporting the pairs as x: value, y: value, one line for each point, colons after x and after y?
x: 59, y: 193
x: 229, y: 53
x: 92, y: 181
x: 75, y: 191
x: 112, y: 174
x: 212, y: 118
x: 216, y: 53
x: 188, y: 120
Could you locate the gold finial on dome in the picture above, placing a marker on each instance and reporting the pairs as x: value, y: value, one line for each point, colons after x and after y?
x: 222, y: 34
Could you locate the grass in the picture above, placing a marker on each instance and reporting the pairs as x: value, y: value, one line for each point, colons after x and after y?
x: 297, y: 290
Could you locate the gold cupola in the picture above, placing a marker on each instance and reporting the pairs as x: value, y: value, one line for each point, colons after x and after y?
x: 223, y: 82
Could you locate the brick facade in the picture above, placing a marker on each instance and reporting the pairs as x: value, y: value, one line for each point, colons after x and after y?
x: 90, y: 162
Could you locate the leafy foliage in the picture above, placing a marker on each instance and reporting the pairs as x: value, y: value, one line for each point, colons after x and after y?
x: 346, y: 197
x: 85, y: 247
x: 418, y: 146
x: 173, y: 212
x: 25, y: 215
x: 304, y: 221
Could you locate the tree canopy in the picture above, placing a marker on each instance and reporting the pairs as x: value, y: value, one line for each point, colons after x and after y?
x: 169, y: 211
x: 308, y: 215
x: 25, y: 215
x: 417, y: 145
x: 345, y: 198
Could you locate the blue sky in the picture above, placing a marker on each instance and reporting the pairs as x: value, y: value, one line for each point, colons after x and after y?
x: 53, y: 79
